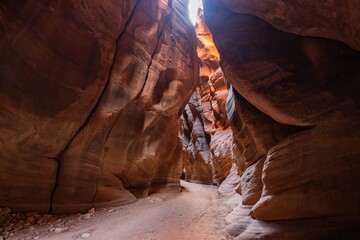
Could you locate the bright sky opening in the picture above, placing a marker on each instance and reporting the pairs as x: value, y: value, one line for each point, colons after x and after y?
x: 193, y: 7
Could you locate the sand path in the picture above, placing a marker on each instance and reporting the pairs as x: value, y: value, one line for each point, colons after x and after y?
x: 195, y: 213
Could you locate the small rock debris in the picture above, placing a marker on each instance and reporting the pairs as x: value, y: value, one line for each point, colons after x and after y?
x: 85, y: 235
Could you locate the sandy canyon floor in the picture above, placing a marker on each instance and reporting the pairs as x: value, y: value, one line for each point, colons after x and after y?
x: 195, y: 213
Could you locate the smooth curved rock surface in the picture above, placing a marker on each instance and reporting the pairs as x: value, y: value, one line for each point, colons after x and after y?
x: 89, y: 93
x: 206, y: 134
x: 51, y: 79
x: 307, y: 90
x: 205, y: 131
x: 254, y: 134
x: 337, y: 19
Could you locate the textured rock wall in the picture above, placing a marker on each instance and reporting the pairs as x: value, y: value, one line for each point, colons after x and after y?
x: 334, y: 19
x: 89, y: 93
x: 295, y: 115
x: 255, y: 134
x: 205, y: 134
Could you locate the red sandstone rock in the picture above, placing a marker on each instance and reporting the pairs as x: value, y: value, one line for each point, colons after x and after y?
x: 296, y: 102
x: 89, y: 94
x: 206, y: 49
x: 206, y: 135
x: 198, y: 166
x: 337, y: 20
x: 54, y: 66
x: 251, y: 184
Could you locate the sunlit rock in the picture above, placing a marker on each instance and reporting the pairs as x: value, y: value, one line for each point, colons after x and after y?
x: 90, y: 97
x: 296, y: 104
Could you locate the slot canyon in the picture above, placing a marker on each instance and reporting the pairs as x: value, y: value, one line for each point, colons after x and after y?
x: 120, y: 119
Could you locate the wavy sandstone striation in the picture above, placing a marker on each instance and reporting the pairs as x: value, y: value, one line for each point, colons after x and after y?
x: 339, y: 20
x: 206, y: 135
x: 294, y: 111
x: 89, y: 94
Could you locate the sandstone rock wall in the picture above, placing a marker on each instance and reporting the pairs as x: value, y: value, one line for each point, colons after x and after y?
x: 334, y: 19
x: 206, y: 135
x: 295, y: 115
x: 90, y: 92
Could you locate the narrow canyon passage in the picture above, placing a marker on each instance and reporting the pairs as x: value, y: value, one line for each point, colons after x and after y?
x: 195, y: 213
x: 106, y: 104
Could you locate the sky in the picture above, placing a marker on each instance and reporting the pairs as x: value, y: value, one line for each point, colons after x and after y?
x: 193, y: 7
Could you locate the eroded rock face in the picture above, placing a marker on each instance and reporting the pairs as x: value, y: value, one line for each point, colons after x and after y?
x: 205, y: 134
x: 294, y: 110
x: 89, y: 94
x: 337, y: 19
x: 255, y: 134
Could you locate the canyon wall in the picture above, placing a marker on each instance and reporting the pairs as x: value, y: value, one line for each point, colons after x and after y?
x: 294, y: 110
x: 205, y: 130
x: 90, y: 98
x: 333, y: 19
x: 91, y: 94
